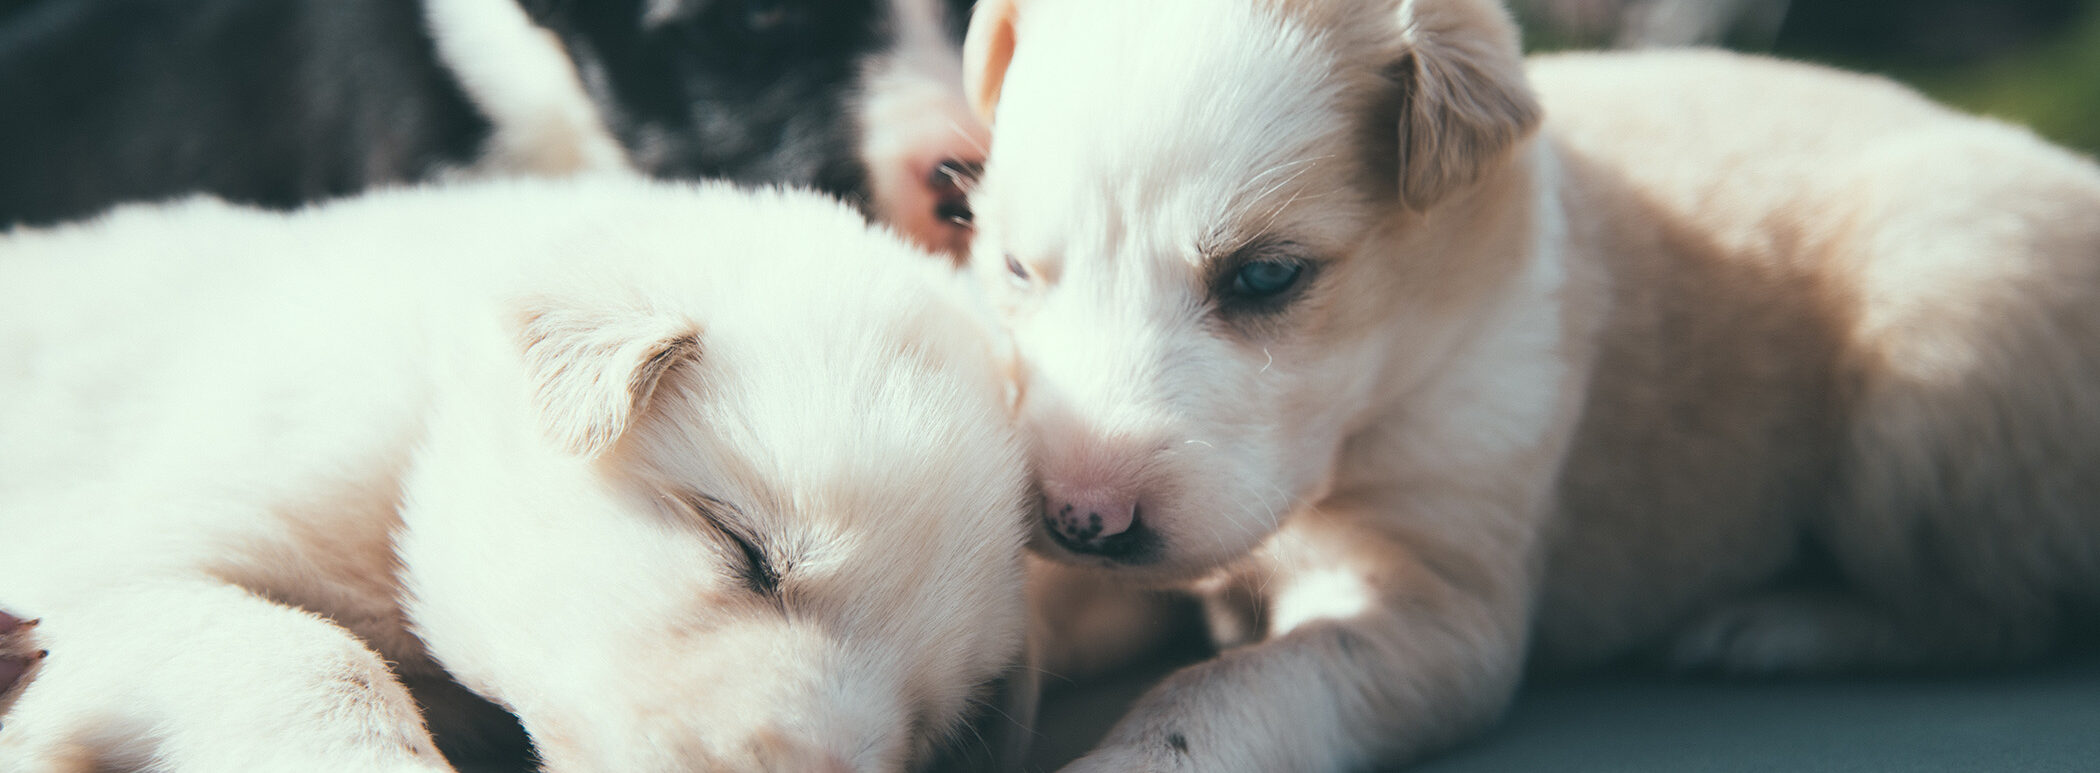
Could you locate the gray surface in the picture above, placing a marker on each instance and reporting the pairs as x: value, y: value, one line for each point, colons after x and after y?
x: 2043, y: 719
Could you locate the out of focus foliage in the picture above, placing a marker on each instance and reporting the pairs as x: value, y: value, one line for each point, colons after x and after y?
x: 2034, y: 62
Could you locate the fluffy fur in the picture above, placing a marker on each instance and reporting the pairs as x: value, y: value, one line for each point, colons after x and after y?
x: 1753, y: 366
x: 685, y: 478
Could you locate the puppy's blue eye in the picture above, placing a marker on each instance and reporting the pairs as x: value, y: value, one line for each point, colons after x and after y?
x: 1266, y: 278
x: 1015, y: 267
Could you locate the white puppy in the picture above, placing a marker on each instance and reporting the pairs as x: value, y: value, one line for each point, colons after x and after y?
x: 689, y: 479
x: 1759, y: 366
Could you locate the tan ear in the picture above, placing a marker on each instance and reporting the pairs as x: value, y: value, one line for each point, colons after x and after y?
x: 593, y: 370
x: 987, y: 50
x: 1464, y: 100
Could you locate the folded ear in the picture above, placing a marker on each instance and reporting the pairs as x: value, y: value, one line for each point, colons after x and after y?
x: 987, y: 50
x: 1463, y: 98
x: 593, y: 370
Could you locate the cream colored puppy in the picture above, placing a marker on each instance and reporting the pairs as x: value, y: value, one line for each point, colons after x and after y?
x: 1420, y: 363
x: 687, y: 478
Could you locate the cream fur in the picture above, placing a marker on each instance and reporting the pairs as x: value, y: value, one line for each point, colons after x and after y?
x: 257, y: 469
x: 1559, y: 390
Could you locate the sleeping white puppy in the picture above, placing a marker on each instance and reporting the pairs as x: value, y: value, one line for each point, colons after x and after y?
x: 1418, y: 374
x: 689, y: 479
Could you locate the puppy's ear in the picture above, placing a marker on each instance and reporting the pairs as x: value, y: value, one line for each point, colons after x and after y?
x: 593, y: 370
x: 1463, y: 100
x: 987, y: 50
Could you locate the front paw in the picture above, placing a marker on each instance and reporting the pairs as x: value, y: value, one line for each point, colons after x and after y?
x: 1774, y: 635
x: 1128, y: 759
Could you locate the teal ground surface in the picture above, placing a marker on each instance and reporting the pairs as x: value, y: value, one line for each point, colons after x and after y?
x: 2037, y: 720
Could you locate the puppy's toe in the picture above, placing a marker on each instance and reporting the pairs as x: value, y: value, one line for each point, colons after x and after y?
x: 1748, y: 641
x: 1783, y: 634
x: 1126, y: 759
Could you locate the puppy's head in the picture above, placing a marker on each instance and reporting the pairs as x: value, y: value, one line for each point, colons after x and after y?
x: 777, y: 478
x: 858, y: 98
x: 1213, y: 229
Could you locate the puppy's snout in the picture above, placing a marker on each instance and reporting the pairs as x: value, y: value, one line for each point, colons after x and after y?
x: 924, y: 151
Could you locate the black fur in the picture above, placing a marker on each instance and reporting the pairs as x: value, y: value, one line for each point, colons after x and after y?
x: 746, y: 90
x: 272, y: 102
x: 279, y: 102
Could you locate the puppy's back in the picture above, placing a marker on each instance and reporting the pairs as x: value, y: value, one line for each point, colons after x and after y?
x: 1846, y: 313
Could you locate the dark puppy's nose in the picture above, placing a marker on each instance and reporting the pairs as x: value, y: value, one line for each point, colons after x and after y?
x: 950, y: 181
x: 1076, y: 529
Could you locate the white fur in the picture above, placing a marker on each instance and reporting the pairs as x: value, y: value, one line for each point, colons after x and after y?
x: 516, y: 73
x: 256, y: 469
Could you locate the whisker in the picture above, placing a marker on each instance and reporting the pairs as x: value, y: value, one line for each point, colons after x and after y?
x: 967, y: 137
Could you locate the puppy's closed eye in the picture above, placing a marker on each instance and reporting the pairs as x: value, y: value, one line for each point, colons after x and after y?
x: 755, y: 566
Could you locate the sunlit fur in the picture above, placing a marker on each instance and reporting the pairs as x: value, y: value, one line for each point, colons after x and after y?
x: 1620, y: 367
x: 254, y: 467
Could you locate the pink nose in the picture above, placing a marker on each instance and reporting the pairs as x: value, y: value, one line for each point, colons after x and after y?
x: 922, y: 161
x: 1088, y: 517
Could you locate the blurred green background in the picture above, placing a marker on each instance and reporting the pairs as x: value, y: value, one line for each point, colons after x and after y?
x: 2033, y: 62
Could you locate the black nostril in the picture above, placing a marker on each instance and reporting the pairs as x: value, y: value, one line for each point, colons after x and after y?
x: 1081, y: 533
x: 955, y: 211
x: 950, y: 182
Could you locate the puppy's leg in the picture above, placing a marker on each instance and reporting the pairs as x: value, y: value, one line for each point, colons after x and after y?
x: 205, y: 677
x: 1086, y: 623
x: 1382, y: 642
x: 1824, y: 631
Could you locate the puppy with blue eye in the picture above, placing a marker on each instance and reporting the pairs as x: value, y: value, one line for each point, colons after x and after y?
x: 683, y: 477
x: 1421, y: 365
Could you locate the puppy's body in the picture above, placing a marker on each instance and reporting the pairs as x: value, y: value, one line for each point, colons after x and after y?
x: 658, y: 489
x: 283, y: 103
x: 1873, y: 335
x: 1765, y: 367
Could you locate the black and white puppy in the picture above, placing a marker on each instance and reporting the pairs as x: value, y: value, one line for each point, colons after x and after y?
x: 280, y: 102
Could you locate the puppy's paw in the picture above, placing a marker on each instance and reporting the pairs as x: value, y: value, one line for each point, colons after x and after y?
x: 1126, y: 759
x: 1773, y: 635
x: 20, y: 653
